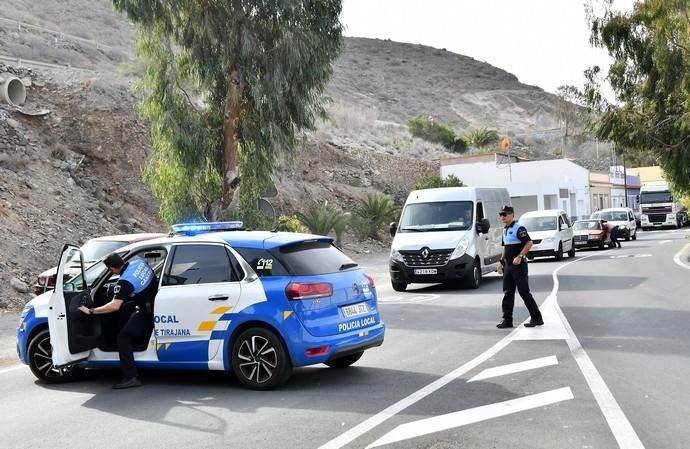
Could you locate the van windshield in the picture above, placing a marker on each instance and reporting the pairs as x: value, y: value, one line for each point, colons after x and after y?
x: 535, y: 224
x: 440, y: 216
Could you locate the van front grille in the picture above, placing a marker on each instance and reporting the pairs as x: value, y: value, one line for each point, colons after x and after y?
x: 434, y: 258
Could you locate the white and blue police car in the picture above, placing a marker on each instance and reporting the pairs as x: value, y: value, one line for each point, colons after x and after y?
x: 251, y: 302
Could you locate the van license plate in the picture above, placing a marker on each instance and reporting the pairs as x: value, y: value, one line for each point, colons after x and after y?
x: 355, y: 310
x: 425, y: 271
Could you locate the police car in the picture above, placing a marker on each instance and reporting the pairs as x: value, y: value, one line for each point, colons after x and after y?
x: 254, y: 303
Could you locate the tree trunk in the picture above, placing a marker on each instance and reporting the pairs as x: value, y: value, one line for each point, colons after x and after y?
x: 231, y: 135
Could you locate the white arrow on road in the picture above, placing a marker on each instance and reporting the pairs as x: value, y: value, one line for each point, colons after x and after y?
x: 472, y: 415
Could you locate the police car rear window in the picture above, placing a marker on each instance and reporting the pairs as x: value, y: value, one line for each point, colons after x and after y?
x: 262, y: 262
x: 314, y: 258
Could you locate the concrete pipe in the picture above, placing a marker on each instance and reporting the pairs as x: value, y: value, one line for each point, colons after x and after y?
x: 12, y: 90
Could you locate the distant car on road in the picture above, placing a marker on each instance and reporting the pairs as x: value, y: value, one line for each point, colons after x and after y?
x: 591, y: 234
x: 550, y: 232
x: 92, y: 250
x: 622, y: 217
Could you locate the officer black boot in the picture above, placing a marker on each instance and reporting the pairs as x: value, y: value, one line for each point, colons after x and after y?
x: 534, y: 323
x: 505, y: 324
x: 127, y: 383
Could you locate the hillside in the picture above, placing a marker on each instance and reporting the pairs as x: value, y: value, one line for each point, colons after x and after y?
x: 76, y: 173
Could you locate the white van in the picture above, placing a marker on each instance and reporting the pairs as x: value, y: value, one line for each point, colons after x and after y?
x: 623, y: 217
x: 551, y: 233
x: 446, y: 235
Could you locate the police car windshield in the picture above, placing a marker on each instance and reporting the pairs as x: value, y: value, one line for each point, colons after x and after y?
x: 439, y: 216
x: 536, y: 224
x: 97, y: 249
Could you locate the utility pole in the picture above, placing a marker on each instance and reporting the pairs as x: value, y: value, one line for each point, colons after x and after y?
x: 625, y: 178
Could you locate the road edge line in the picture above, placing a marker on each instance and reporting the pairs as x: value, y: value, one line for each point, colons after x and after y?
x: 11, y: 368
x: 676, y: 257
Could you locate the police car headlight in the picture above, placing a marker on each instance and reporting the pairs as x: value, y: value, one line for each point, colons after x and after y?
x: 461, y: 248
x: 395, y: 255
x: 25, y: 311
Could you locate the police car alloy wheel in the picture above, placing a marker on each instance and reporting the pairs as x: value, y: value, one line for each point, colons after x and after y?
x: 344, y: 362
x: 41, y: 362
x: 259, y: 359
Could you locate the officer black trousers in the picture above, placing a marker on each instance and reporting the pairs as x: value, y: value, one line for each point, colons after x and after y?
x: 516, y: 276
x: 137, y: 329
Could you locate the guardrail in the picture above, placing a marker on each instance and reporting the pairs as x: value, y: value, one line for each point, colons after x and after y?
x: 62, y: 35
x: 29, y: 62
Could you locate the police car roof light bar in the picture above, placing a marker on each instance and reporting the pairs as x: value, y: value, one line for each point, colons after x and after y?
x: 191, y: 229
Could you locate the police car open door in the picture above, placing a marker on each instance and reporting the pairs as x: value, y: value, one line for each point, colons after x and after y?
x: 72, y: 334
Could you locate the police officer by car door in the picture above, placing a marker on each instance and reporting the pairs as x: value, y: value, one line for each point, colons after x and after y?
x: 513, y: 266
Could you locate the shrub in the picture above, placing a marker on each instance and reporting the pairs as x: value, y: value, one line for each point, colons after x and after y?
x: 374, y: 213
x: 435, y: 181
x: 290, y: 224
x: 459, y: 145
x: 482, y: 137
x: 322, y: 220
x: 425, y: 127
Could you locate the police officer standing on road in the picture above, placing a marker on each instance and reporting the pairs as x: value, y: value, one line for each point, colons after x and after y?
x: 137, y: 283
x: 513, y: 266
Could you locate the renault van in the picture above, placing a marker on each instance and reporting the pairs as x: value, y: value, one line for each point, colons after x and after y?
x: 447, y: 235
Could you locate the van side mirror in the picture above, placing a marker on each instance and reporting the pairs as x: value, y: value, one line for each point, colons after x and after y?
x: 393, y: 228
x: 483, y: 226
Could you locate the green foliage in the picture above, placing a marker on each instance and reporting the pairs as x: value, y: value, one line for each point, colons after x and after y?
x: 235, y: 66
x: 459, y: 145
x: 374, y: 213
x: 290, y: 224
x: 435, y: 181
x: 650, y: 77
x: 431, y: 130
x: 324, y: 219
x: 482, y: 137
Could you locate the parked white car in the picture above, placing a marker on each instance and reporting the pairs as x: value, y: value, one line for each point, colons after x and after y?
x: 551, y: 233
x: 623, y: 217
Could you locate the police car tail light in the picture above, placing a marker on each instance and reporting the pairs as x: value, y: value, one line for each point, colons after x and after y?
x: 299, y: 290
x: 315, y: 352
x: 372, y: 284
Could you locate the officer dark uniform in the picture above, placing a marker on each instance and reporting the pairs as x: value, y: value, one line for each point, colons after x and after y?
x: 137, y: 283
x: 515, y: 237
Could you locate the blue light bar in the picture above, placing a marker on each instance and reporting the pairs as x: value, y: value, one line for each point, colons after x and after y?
x: 201, y: 228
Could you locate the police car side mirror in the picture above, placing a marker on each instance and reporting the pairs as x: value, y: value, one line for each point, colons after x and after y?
x: 393, y: 228
x: 484, y: 225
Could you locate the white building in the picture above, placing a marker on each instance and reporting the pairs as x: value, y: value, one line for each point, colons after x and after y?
x: 532, y: 185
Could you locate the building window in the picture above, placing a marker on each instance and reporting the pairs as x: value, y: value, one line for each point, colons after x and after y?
x: 563, y: 193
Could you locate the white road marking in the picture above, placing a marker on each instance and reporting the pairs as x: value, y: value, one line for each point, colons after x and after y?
x: 473, y: 415
x: 368, y: 424
x: 619, y: 424
x: 678, y: 260
x: 407, y: 299
x: 665, y: 241
x: 553, y: 328
x: 12, y: 368
x: 513, y: 368
x: 631, y: 256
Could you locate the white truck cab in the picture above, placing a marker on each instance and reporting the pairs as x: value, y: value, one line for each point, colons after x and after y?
x: 446, y: 235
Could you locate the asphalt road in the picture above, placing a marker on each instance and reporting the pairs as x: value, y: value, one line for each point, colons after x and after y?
x: 610, y: 369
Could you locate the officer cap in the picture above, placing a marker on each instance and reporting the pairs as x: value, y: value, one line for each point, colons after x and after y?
x: 507, y: 210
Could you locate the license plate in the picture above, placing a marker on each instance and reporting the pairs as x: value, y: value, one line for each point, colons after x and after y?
x: 423, y: 271
x: 580, y: 243
x: 355, y: 310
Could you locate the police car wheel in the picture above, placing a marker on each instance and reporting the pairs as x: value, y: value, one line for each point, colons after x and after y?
x: 559, y: 252
x: 259, y: 359
x: 344, y: 362
x: 41, y: 363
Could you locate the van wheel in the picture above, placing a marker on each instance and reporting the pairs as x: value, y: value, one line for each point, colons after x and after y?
x: 40, y: 355
x: 344, y: 362
x: 476, y: 280
x: 559, y: 252
x: 571, y: 253
x: 259, y: 359
x: 399, y: 286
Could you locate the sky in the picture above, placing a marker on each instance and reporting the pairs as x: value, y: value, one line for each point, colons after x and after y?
x: 543, y: 42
